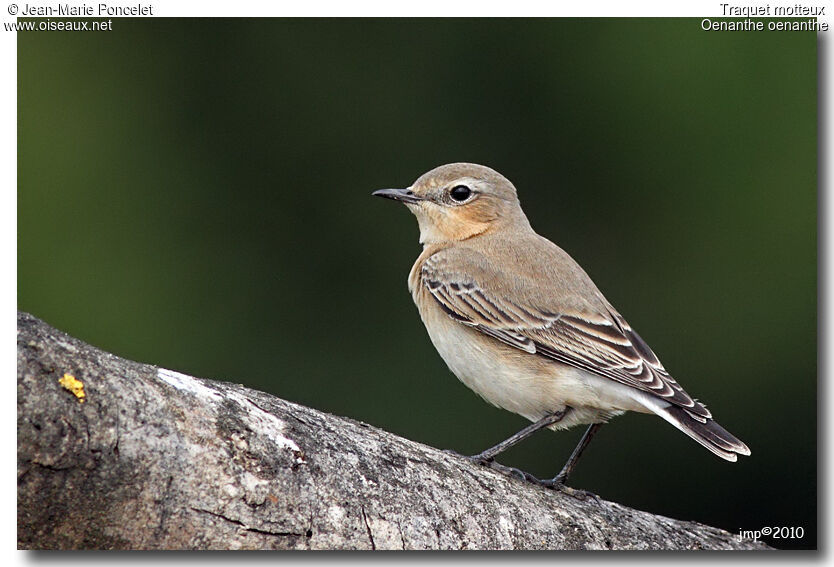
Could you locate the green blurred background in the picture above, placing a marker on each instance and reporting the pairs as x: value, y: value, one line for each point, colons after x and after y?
x: 196, y: 194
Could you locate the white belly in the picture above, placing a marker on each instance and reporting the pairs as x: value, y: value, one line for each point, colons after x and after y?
x: 527, y: 384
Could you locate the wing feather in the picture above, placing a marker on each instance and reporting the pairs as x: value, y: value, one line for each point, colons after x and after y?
x: 602, y: 343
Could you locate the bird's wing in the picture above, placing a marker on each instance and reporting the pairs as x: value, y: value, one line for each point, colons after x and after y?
x: 599, y: 341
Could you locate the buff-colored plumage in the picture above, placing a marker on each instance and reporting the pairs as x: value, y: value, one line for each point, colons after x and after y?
x: 519, y: 322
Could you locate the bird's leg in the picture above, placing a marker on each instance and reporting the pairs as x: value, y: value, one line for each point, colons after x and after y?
x: 487, y: 457
x: 560, y: 479
x: 550, y: 419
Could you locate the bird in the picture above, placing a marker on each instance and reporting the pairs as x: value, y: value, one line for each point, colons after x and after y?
x: 520, y: 323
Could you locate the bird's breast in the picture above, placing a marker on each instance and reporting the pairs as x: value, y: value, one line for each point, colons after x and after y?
x: 511, y: 379
x: 528, y: 384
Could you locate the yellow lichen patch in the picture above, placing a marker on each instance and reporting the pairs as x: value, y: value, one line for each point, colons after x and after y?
x: 73, y: 385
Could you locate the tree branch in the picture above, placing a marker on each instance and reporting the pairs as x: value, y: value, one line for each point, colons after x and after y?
x: 153, y: 459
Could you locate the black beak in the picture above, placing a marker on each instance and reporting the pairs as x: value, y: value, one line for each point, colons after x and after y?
x: 402, y: 195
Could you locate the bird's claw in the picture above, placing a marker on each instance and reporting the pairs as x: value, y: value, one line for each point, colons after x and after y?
x: 555, y: 483
x: 491, y: 463
x: 509, y: 471
x: 478, y: 459
x: 558, y: 483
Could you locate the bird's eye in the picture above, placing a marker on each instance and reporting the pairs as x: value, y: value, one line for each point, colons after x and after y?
x: 460, y: 193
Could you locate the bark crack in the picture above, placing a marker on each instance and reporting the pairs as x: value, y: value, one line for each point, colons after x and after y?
x: 402, y: 535
x: 244, y: 526
x: 368, y: 527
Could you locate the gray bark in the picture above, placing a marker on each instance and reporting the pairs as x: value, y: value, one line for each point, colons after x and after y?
x: 152, y: 459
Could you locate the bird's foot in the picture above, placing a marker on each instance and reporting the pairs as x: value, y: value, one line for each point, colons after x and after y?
x: 558, y: 483
x: 490, y: 463
x: 555, y: 483
x: 509, y: 471
x: 480, y: 458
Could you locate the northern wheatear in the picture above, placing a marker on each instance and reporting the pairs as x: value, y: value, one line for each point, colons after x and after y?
x: 519, y: 322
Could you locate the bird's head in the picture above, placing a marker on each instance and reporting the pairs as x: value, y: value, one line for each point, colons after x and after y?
x: 458, y: 201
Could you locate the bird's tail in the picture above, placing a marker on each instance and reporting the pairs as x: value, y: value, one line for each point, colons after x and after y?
x: 704, y: 430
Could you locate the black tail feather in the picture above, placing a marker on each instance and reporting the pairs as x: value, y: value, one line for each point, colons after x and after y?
x: 709, y: 434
